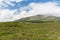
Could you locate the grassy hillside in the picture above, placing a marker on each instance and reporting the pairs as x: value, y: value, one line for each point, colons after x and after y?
x: 30, y: 31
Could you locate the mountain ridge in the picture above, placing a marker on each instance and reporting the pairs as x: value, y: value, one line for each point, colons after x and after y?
x: 40, y: 18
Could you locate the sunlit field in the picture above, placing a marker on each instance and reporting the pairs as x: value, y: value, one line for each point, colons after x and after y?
x: 30, y: 31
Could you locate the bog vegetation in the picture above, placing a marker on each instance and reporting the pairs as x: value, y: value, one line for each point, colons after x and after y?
x: 30, y: 31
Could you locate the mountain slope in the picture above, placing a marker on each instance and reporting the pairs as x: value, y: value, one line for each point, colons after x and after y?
x: 40, y: 18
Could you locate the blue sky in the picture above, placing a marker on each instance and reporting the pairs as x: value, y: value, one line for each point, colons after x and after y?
x: 20, y: 4
x: 16, y: 9
x: 25, y: 3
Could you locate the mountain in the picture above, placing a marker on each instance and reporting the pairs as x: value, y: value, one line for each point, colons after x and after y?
x: 40, y: 18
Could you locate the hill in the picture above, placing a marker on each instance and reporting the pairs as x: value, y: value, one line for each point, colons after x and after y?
x: 39, y: 18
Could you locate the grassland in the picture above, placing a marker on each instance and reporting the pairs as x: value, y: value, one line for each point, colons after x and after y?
x: 30, y: 31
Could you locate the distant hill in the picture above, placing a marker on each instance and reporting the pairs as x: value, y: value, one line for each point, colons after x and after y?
x: 40, y: 18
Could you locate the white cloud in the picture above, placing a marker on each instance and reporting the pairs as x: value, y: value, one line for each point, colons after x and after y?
x: 1, y: 2
x: 6, y: 15
x: 9, y: 2
x: 14, y: 0
x: 49, y: 8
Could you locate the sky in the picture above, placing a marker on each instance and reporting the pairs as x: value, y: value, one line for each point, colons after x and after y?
x: 11, y: 10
